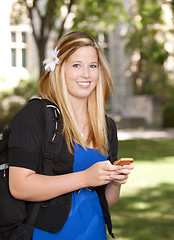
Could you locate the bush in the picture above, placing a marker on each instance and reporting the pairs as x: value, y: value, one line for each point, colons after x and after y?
x: 168, y: 115
x: 12, y: 101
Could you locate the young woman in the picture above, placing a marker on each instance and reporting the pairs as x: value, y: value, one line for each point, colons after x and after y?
x: 85, y: 182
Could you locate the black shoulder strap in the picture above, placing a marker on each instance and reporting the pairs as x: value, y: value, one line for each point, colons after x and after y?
x: 53, y: 136
x: 4, y: 147
x: 52, y: 143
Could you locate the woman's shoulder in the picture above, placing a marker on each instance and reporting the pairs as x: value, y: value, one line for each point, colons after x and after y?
x: 34, y: 105
x: 112, y: 129
x: 111, y: 124
x: 31, y: 112
x: 112, y: 138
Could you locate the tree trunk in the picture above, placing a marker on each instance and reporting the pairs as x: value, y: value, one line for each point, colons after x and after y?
x: 41, y: 47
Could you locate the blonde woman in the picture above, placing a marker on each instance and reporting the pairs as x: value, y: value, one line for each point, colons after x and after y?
x: 85, y: 183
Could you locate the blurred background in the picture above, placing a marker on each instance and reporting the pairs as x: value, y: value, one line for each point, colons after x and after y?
x: 137, y: 37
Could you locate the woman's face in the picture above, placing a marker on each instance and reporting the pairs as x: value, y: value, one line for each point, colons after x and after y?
x: 82, y: 72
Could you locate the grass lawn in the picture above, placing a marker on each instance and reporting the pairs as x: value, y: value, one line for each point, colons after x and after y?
x: 145, y: 210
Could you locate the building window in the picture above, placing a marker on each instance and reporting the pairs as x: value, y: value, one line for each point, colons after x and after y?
x: 18, y: 49
x: 13, y: 36
x: 13, y: 57
x: 24, y: 58
x: 24, y: 37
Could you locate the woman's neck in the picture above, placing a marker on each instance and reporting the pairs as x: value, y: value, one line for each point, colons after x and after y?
x: 79, y: 108
x: 81, y: 116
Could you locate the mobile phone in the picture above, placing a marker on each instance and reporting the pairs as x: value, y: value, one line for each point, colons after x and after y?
x: 124, y: 161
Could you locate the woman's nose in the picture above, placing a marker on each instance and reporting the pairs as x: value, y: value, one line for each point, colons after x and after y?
x: 85, y: 72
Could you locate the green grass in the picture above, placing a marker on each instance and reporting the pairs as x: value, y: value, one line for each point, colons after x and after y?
x: 145, y: 210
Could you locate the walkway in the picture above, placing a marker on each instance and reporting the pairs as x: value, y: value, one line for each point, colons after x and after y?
x: 141, y: 133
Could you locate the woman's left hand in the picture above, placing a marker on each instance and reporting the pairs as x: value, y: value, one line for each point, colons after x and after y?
x: 121, y: 174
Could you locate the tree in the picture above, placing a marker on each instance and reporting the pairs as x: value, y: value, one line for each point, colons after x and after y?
x: 171, y: 2
x: 53, y: 16
x: 147, y: 42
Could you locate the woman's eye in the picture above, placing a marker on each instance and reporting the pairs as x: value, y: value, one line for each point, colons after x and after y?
x: 93, y: 66
x: 76, y: 65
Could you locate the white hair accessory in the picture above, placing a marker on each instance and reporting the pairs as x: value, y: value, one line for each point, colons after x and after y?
x: 51, y: 62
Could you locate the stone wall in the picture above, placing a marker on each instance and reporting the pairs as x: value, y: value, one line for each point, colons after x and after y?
x: 128, y: 110
x: 120, y: 64
x: 144, y: 107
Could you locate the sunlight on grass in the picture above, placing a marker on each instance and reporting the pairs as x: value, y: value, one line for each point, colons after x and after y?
x: 145, y: 208
x: 146, y: 174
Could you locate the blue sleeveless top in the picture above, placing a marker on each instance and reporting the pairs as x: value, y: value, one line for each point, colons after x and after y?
x: 86, y: 221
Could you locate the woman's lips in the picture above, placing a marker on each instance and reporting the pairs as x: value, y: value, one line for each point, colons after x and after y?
x: 84, y: 84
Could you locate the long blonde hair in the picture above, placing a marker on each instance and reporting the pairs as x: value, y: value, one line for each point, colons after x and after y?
x: 53, y: 87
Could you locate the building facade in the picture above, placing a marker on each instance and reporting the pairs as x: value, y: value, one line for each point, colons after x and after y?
x: 19, y: 60
x: 19, y: 54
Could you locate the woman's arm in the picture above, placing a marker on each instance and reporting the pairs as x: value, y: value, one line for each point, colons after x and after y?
x: 120, y: 177
x: 25, y: 184
x: 112, y: 193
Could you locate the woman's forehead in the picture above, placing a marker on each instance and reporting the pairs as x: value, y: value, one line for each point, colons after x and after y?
x: 87, y: 53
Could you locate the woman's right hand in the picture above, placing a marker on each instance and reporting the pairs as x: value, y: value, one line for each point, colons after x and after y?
x: 100, y: 173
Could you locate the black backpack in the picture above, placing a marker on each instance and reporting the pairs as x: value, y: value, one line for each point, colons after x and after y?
x: 13, y: 211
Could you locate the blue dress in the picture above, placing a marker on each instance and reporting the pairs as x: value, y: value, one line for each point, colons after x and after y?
x: 86, y: 221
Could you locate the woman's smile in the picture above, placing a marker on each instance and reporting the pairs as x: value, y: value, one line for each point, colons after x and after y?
x: 83, y: 84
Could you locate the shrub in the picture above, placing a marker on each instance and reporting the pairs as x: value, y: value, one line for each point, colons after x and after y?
x: 168, y: 119
x: 12, y: 101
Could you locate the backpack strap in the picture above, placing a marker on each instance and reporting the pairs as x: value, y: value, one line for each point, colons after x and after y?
x: 52, y: 143
x: 53, y: 137
x: 4, y: 150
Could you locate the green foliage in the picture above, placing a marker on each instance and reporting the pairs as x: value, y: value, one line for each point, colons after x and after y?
x: 53, y: 15
x: 19, y: 11
x: 168, y: 114
x: 12, y: 101
x: 147, y: 41
x: 171, y: 3
x: 95, y: 16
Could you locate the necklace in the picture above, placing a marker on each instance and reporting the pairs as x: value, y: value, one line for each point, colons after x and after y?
x: 82, y: 134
